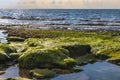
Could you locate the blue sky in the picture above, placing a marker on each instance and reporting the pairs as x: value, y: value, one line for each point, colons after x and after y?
x: 60, y: 4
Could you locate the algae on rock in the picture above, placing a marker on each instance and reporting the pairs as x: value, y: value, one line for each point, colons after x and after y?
x: 43, y: 58
x: 42, y: 73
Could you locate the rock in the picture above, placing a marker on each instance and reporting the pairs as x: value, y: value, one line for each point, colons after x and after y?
x: 32, y: 42
x: 11, y: 63
x: 14, y: 56
x: 76, y: 69
x: 114, y: 61
x: 42, y: 73
x: 3, y: 56
x: 57, y: 19
x: 17, y: 79
x: 82, y: 63
x: 92, y: 61
x: 28, y: 18
x: 78, y: 50
x: 7, y: 17
x: 67, y: 63
x: 2, y: 72
x: 61, y: 71
x: 7, y: 49
x: 45, y: 58
x: 15, y: 39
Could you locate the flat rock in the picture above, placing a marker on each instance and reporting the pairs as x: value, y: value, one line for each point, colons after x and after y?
x: 2, y: 72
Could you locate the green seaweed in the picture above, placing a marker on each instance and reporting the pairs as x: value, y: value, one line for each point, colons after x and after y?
x: 41, y: 57
x: 42, y: 73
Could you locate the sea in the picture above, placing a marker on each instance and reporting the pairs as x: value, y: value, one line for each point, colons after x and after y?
x: 89, y: 19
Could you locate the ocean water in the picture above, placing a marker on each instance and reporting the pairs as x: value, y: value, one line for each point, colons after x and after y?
x: 108, y: 19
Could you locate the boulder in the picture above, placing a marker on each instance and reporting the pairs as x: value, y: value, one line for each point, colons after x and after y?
x: 3, y: 56
x: 45, y: 58
x: 78, y: 50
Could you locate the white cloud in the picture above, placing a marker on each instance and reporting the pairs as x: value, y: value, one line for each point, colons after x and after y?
x: 59, y: 4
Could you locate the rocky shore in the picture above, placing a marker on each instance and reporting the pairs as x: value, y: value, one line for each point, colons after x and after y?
x: 43, y: 54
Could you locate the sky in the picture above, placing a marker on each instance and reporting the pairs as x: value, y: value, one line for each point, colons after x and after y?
x: 60, y: 4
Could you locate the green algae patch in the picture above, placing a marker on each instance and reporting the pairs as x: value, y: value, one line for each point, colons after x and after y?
x: 103, y: 44
x: 42, y: 58
x: 76, y: 69
x: 5, y: 51
x: 20, y: 47
x: 67, y: 63
x: 42, y: 73
x: 89, y: 58
x: 33, y: 42
x: 3, y: 56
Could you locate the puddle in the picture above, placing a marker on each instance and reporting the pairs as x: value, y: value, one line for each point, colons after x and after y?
x: 3, y: 36
x: 97, y: 71
x: 11, y: 72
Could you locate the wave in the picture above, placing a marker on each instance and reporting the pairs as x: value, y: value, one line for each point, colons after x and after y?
x: 32, y: 18
x: 99, y: 20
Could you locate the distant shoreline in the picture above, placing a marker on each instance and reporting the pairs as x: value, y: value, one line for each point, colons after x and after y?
x: 55, y: 28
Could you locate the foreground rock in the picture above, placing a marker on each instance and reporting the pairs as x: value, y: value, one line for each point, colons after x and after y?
x: 2, y: 72
x: 5, y: 51
x: 42, y: 73
x: 46, y: 58
x: 78, y: 50
x: 16, y: 79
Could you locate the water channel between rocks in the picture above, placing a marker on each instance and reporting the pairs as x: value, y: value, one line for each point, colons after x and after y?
x: 3, y: 36
x: 96, y: 71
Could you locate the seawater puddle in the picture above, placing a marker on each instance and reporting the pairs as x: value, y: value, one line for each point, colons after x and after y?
x: 97, y: 71
x: 3, y: 36
x: 11, y: 72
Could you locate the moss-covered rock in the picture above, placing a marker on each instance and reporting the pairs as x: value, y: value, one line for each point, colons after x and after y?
x: 78, y: 50
x: 45, y: 58
x: 15, y: 39
x: 42, y: 73
x: 83, y: 60
x: 33, y: 42
x: 61, y: 71
x: 76, y: 69
x: 16, y: 79
x: 67, y: 63
x: 14, y: 56
x: 7, y: 49
x: 20, y: 47
x: 3, y: 56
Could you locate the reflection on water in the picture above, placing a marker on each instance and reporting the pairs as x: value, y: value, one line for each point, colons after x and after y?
x: 11, y: 72
x: 3, y: 36
x: 96, y: 71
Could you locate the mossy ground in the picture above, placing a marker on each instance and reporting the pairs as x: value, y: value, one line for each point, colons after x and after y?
x: 63, y: 48
x: 105, y: 43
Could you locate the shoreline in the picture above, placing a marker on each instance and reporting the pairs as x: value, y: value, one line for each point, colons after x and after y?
x: 57, y: 28
x: 63, y: 48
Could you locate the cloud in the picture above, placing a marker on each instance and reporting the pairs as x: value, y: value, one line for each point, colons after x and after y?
x: 59, y: 4
x: 8, y: 3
